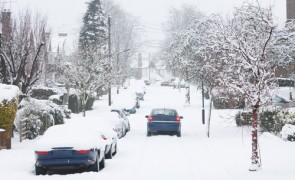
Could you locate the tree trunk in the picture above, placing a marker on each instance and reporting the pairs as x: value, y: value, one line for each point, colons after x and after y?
x: 255, y: 164
x: 187, y: 96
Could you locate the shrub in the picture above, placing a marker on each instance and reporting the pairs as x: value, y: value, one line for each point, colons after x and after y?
x: 40, y: 115
x: 285, y: 82
x: 8, y: 110
x: 44, y: 93
x: 272, y: 120
x: 288, y: 132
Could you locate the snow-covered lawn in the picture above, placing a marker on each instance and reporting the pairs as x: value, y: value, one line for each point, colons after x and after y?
x: 224, y: 156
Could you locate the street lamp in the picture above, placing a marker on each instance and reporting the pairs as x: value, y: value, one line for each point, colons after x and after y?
x: 109, y: 43
x: 118, y: 68
x: 203, y: 108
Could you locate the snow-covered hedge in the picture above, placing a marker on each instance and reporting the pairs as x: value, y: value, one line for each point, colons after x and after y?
x: 42, y: 92
x: 40, y: 114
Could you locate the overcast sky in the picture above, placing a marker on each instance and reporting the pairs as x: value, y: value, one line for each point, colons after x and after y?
x: 66, y: 15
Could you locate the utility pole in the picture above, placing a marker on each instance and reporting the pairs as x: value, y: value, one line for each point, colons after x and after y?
x: 110, y: 59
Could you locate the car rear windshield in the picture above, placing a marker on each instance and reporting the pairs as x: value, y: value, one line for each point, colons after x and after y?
x: 167, y: 112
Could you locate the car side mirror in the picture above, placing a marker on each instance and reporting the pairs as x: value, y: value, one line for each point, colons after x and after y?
x: 147, y: 116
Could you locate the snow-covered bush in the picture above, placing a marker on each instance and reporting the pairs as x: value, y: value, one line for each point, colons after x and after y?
x: 272, y: 120
x: 42, y: 92
x: 288, y: 132
x: 40, y: 114
x: 290, y: 118
x: 57, y: 99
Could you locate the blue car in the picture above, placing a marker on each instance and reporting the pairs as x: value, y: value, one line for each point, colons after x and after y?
x: 66, y: 148
x: 164, y: 121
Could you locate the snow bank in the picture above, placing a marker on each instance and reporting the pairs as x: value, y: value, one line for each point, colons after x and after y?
x: 8, y: 92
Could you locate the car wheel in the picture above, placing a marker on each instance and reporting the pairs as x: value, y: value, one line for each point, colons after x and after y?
x: 109, y: 155
x: 178, y: 134
x: 124, y: 131
x: 95, y: 167
x: 40, y: 170
x: 149, y: 133
x: 115, y: 152
x: 102, y: 163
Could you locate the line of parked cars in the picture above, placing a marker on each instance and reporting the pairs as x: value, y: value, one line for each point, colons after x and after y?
x: 81, y: 146
x: 84, y: 146
x: 175, y: 82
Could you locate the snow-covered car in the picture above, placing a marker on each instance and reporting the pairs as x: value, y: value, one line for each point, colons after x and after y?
x: 116, y: 122
x: 108, y: 134
x: 64, y: 147
x: 281, y: 102
x: 123, y: 116
x: 147, y: 82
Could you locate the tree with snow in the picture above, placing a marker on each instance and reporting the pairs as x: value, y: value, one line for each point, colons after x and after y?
x: 126, y: 33
x: 23, y: 51
x: 245, y: 42
x: 93, y: 34
x: 240, y: 53
x: 90, y: 68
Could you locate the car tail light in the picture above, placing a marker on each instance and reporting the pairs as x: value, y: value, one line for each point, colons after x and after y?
x: 177, y: 118
x: 150, y: 118
x: 103, y: 137
x: 83, y: 151
x: 42, y: 152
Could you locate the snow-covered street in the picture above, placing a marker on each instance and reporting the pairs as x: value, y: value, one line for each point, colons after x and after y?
x: 224, y: 156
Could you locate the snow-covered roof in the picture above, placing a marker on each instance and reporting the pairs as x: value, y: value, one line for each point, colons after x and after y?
x: 2, y: 130
x: 8, y: 92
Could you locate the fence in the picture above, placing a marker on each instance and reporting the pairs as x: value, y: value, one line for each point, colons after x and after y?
x: 23, y: 130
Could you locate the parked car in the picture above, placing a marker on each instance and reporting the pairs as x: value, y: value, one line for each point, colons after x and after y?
x: 147, y: 82
x: 137, y: 102
x: 166, y: 83
x: 116, y: 122
x: 131, y: 110
x: 281, y: 102
x: 123, y: 116
x: 164, y: 120
x: 108, y: 134
x: 66, y: 148
x: 140, y: 95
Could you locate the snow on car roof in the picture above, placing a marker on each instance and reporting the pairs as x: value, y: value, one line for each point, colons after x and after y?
x: 77, y: 137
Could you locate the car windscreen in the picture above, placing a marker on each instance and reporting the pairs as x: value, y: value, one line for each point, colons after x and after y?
x: 167, y: 112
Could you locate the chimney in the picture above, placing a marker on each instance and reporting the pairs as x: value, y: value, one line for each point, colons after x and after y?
x: 290, y: 9
x: 6, y: 23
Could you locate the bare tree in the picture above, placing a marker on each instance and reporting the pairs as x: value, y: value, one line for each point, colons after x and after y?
x: 23, y: 51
